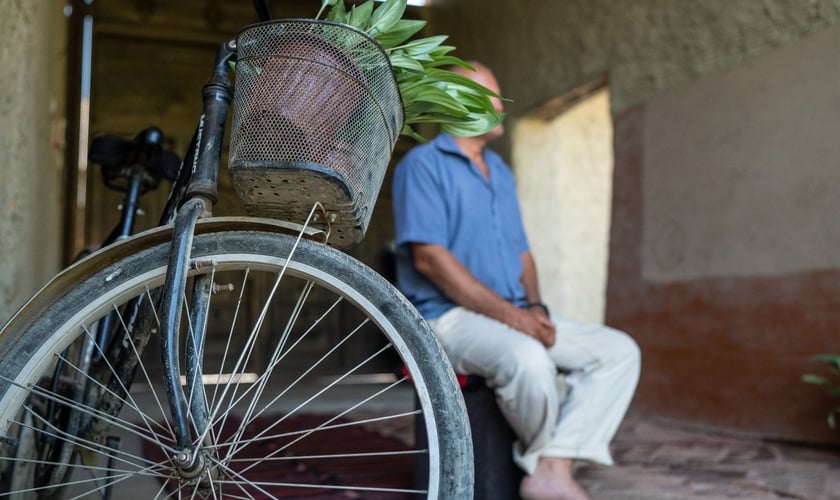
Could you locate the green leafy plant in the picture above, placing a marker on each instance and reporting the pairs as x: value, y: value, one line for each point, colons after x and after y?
x: 831, y: 383
x: 431, y: 93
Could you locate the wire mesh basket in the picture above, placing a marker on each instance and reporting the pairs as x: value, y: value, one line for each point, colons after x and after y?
x: 316, y: 115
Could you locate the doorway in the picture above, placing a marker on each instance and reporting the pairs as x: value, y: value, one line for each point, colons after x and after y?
x: 563, y: 160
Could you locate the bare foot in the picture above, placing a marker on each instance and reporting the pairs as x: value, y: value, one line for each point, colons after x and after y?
x: 552, y: 480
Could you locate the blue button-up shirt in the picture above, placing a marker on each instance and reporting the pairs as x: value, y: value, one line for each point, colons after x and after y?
x: 441, y: 197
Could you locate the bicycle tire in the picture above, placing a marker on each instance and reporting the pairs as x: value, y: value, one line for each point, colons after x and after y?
x: 36, y: 336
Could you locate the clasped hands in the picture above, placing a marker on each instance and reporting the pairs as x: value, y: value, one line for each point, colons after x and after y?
x: 533, y: 322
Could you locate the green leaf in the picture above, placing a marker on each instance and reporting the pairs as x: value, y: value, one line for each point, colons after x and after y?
x: 831, y: 359
x: 423, y: 45
x: 814, y: 379
x: 440, y: 100
x: 410, y: 86
x: 410, y: 132
x: 386, y: 16
x: 442, y: 50
x: 479, y: 124
x: 475, y: 102
x: 406, y: 62
x: 328, y: 3
x: 430, y: 93
x: 438, y: 61
x: 424, y: 116
x: 399, y: 33
x: 463, y: 81
x: 338, y: 13
x: 360, y: 15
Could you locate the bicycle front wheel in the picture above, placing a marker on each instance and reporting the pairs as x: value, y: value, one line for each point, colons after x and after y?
x: 313, y: 373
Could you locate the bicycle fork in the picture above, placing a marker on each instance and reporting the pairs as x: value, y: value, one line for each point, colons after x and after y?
x: 192, y: 463
x: 194, y: 460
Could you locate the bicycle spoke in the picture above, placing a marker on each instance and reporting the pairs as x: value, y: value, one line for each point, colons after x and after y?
x: 250, y: 416
x: 112, y: 481
x: 242, y: 483
x: 260, y: 386
x: 117, y: 422
x: 235, y: 317
x: 114, y: 475
x: 326, y: 487
x: 323, y: 427
x: 129, y: 399
x: 271, y: 367
x: 316, y: 364
x: 83, y: 443
x: 332, y: 419
x: 141, y: 365
x: 244, y: 357
x: 143, y: 471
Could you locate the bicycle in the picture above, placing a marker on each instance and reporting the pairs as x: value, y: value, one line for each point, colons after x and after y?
x: 247, y: 421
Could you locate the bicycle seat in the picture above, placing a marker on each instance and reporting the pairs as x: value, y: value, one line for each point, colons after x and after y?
x: 121, y: 158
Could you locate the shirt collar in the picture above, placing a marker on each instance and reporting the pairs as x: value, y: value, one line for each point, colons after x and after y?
x: 447, y: 144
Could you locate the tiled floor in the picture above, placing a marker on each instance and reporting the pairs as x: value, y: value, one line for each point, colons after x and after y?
x: 664, y: 460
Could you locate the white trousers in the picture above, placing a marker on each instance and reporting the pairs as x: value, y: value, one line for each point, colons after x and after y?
x: 603, y: 369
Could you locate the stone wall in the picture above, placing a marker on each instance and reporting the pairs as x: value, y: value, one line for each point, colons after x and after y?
x: 544, y: 48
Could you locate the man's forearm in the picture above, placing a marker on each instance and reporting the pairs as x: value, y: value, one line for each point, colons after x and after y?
x: 440, y: 267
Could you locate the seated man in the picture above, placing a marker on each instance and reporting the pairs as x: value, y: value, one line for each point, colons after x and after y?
x: 463, y: 260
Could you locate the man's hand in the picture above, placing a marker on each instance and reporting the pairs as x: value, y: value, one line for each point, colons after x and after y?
x: 440, y: 267
x: 533, y: 322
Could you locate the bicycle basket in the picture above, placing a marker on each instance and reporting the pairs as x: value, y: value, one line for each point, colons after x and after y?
x: 317, y: 113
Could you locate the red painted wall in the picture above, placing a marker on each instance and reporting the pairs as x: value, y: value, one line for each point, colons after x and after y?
x: 727, y: 352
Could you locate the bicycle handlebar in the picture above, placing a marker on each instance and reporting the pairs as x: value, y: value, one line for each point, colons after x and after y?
x: 263, y: 13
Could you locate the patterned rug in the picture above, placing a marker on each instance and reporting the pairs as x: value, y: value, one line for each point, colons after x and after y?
x: 300, y: 465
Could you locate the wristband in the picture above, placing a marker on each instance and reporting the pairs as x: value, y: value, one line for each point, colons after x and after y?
x: 542, y: 306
